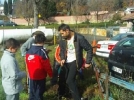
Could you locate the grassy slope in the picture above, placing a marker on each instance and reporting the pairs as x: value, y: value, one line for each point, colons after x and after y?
x: 86, y: 87
x: 51, y: 93
x: 20, y: 59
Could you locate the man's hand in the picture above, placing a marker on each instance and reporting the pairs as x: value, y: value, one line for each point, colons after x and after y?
x: 62, y: 62
x: 87, y: 65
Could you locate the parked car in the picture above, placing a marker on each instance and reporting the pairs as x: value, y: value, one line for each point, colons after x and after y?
x: 104, y: 47
x: 7, y: 23
x: 129, y: 10
x: 121, y: 59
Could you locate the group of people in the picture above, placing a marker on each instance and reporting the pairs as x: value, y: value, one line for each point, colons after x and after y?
x: 70, y: 61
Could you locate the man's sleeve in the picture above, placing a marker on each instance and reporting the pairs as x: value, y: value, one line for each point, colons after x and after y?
x: 88, y: 48
x: 23, y: 49
x: 46, y: 63
x: 47, y: 67
x: 26, y: 46
x: 62, y: 45
x: 13, y: 72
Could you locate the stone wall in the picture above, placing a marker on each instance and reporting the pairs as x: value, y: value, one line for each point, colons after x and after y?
x: 93, y: 31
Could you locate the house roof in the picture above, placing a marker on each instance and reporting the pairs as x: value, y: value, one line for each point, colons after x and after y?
x: 128, y: 17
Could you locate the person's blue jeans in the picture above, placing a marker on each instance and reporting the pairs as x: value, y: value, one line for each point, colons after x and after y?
x: 37, y: 89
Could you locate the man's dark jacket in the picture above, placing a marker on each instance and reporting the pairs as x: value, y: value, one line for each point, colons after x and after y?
x: 80, y: 43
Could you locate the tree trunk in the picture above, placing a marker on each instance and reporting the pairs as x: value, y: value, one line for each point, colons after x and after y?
x: 36, y: 20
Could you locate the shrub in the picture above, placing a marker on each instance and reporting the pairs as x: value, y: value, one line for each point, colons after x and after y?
x: 116, y: 17
x: 3, y: 17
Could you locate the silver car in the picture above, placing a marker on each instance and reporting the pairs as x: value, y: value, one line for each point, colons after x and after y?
x: 104, y: 47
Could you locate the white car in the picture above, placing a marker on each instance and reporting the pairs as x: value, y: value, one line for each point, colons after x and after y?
x: 104, y: 47
x: 129, y: 10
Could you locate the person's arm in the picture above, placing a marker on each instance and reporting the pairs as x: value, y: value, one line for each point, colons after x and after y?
x: 62, y: 45
x: 47, y: 67
x: 88, y: 48
x: 13, y: 72
x: 46, y: 64
x: 26, y: 46
x: 23, y: 49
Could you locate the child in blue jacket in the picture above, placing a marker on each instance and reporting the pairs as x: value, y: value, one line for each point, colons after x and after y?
x: 11, y: 74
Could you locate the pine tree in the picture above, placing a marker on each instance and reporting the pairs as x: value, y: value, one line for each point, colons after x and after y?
x: 5, y: 8
x: 14, y: 1
x: 10, y: 7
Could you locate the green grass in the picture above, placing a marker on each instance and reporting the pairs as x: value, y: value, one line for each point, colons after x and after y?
x: 50, y: 93
x: 20, y: 59
x: 73, y: 26
x: 87, y: 87
x: 83, y: 25
x: 2, y: 95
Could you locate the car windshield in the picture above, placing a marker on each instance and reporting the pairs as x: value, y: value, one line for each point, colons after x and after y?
x: 118, y: 37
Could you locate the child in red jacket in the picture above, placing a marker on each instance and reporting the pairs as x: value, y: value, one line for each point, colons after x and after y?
x: 38, y: 66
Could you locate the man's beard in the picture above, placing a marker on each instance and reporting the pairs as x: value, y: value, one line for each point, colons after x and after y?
x: 65, y: 37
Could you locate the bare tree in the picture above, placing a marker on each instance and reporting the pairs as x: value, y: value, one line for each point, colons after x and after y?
x: 61, y: 6
x: 78, y: 8
x: 24, y: 9
x: 101, y: 5
x: 95, y: 6
x: 109, y: 6
x: 28, y: 9
x: 36, y: 13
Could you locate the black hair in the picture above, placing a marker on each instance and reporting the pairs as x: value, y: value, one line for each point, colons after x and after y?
x: 37, y: 32
x: 40, y: 38
x: 11, y: 42
x: 63, y: 27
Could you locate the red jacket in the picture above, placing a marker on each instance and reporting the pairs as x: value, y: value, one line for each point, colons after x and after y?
x: 38, y: 63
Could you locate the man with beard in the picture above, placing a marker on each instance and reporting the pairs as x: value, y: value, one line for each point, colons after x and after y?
x: 72, y: 45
